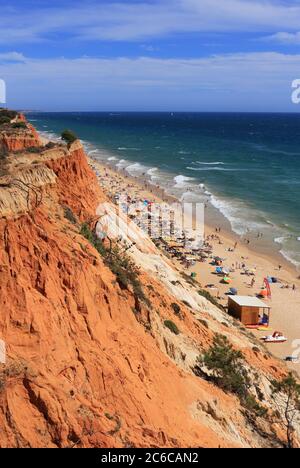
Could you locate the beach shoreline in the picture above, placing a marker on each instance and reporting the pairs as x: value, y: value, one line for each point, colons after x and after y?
x: 213, y: 219
x: 241, y: 174
x: 285, y: 302
x: 268, y: 245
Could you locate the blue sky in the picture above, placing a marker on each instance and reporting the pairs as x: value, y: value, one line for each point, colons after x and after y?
x: 198, y: 55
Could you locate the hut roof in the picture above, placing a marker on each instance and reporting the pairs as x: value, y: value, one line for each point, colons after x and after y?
x: 248, y: 301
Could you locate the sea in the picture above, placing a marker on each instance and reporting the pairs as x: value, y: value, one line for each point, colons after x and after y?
x: 244, y: 165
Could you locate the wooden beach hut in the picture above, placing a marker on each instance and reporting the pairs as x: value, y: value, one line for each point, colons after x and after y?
x: 249, y: 310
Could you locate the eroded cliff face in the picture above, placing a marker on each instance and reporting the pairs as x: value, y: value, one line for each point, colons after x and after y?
x: 89, y: 364
x: 18, y: 138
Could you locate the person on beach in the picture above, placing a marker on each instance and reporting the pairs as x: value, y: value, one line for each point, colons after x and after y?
x: 252, y: 282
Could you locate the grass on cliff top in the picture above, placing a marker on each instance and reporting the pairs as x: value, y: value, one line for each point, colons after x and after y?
x: 6, y: 116
x: 4, y: 120
x: 19, y: 125
x: 120, y: 264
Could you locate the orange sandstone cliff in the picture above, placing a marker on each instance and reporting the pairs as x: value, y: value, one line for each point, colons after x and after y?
x: 17, y: 138
x: 88, y: 363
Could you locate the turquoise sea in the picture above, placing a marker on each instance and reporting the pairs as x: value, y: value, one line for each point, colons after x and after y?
x: 246, y: 165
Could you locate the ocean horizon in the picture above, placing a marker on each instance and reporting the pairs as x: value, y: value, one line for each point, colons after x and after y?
x: 245, y: 165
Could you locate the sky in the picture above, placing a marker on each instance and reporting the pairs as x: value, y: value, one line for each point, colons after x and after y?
x: 150, y: 55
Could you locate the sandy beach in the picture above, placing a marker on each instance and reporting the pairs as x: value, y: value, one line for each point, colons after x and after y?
x: 285, y: 301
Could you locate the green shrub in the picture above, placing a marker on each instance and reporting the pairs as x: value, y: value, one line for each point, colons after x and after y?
x: 250, y: 403
x: 19, y: 125
x: 176, y: 308
x: 225, y: 324
x: 204, y: 323
x: 119, y: 263
x: 50, y: 145
x: 4, y: 120
x: 68, y: 136
x: 210, y: 298
x: 69, y: 215
x: 34, y: 150
x: 172, y: 327
x: 229, y: 372
x: 8, y: 113
x: 125, y: 271
x: 227, y: 367
x: 87, y: 233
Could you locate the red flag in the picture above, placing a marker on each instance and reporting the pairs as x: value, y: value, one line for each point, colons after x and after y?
x: 268, y: 287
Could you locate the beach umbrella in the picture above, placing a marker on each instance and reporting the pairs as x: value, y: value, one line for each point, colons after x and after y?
x: 233, y: 291
x: 263, y: 293
x: 219, y: 270
x: 226, y: 280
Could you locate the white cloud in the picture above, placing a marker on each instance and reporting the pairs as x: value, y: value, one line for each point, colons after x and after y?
x: 284, y: 38
x: 142, y: 20
x: 12, y: 57
x: 254, y: 81
x: 149, y: 48
x: 246, y: 15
